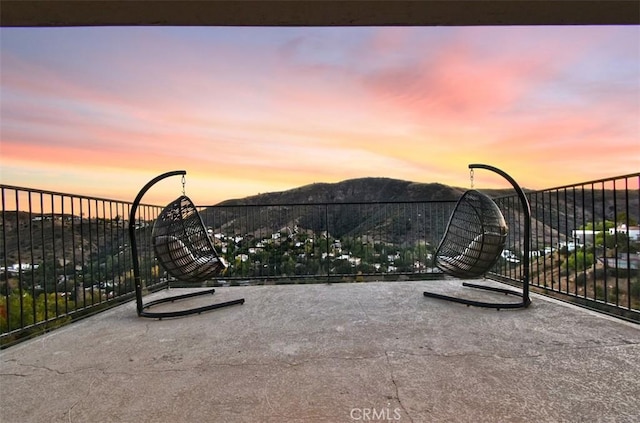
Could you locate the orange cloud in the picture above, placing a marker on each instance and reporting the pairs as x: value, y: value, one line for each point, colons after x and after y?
x: 261, y: 111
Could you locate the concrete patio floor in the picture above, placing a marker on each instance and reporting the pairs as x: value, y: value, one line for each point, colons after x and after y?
x: 334, y: 353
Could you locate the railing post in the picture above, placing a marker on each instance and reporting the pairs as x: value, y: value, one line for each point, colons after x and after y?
x: 326, y: 230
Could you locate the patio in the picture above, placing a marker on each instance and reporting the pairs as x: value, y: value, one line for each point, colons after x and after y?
x: 377, y: 351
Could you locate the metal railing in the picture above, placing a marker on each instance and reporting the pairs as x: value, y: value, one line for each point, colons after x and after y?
x: 585, y: 244
x: 328, y: 241
x: 64, y: 256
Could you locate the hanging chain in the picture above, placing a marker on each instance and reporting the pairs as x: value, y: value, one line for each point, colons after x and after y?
x: 184, y: 181
x: 471, y: 177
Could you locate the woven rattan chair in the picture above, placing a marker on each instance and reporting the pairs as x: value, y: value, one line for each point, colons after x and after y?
x: 473, y: 242
x: 183, y: 248
x: 182, y: 244
x: 474, y: 238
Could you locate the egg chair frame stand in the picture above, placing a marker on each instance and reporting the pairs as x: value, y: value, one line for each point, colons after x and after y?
x: 526, y: 301
x: 143, y: 309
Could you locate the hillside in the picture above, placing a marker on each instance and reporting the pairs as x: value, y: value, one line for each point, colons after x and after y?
x: 365, y: 207
x: 369, y: 207
x: 552, y: 216
x: 361, y: 190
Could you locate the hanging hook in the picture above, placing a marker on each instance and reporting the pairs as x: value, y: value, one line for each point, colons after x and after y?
x: 184, y: 181
x: 470, y: 177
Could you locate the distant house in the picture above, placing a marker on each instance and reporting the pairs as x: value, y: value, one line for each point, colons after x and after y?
x: 570, y: 246
x: 20, y: 267
x: 510, y: 256
x: 633, y: 232
x: 41, y: 218
x: 584, y: 236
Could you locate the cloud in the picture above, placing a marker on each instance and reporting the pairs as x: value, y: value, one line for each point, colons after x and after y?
x: 262, y: 109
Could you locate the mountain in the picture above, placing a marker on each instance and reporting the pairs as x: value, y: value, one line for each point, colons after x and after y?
x: 553, y: 216
x: 370, y: 207
x: 362, y: 190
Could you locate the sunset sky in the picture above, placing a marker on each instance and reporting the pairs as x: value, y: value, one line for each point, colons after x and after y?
x: 101, y: 111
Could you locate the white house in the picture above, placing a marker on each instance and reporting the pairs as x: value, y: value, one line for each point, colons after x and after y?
x: 17, y: 267
x: 510, y: 256
x: 633, y: 232
x: 571, y: 246
x: 584, y: 236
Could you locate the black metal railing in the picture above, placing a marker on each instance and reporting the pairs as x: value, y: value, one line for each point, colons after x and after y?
x: 327, y: 241
x: 585, y: 244
x: 63, y: 256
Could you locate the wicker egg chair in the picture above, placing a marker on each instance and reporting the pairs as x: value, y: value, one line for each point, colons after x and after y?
x: 473, y: 242
x: 474, y: 238
x: 182, y: 244
x: 183, y: 248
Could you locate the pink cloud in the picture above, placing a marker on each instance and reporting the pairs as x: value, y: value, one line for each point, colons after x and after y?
x: 394, y: 102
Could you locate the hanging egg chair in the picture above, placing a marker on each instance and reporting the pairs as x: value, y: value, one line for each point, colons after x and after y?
x: 182, y: 244
x: 473, y: 242
x: 474, y: 238
x: 182, y: 247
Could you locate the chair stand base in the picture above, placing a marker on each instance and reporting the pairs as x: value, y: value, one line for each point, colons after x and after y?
x: 178, y: 313
x: 524, y: 304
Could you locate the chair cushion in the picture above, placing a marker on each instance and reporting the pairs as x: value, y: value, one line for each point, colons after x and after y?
x: 481, y: 252
x: 174, y: 255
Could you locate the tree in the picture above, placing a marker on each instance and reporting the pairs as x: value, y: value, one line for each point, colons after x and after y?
x: 628, y: 220
x: 23, y: 310
x: 579, y: 260
x: 598, y: 226
x: 618, y: 239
